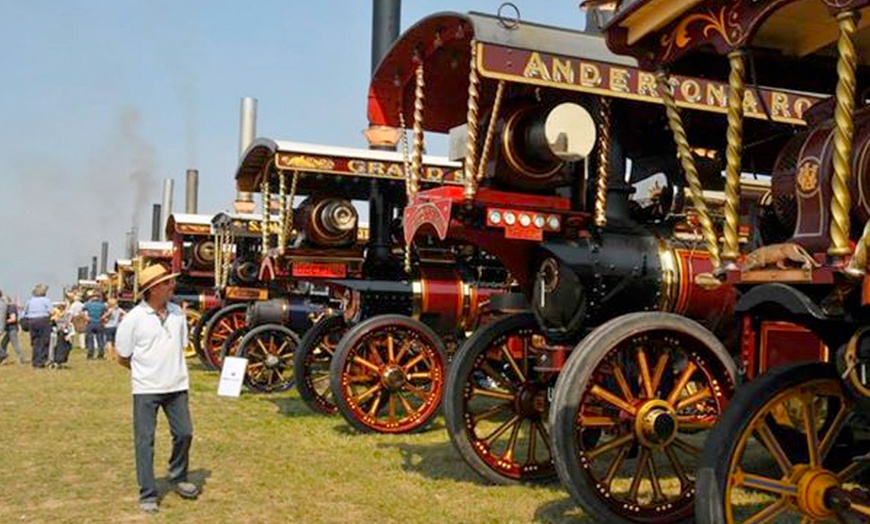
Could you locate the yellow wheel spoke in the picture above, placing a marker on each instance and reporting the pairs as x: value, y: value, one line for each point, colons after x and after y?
x: 596, y: 421
x: 391, y: 349
x: 690, y: 422
x: 658, y: 494
x: 492, y: 394
x: 679, y: 470
x: 609, y: 446
x: 612, y: 399
x: 622, y: 382
x: 643, y: 365
x: 613, y: 469
x: 769, y: 514
x: 262, y: 346
x: 497, y: 432
x: 513, y: 363
x: 687, y: 373
x: 659, y: 372
x: 365, y: 363
x: 834, y: 431
x: 404, y: 348
x: 376, y: 403
x: 769, y: 485
x: 512, y: 442
x: 769, y: 440
x: 405, y: 404
x: 414, y: 376
x: 321, y: 378
x: 702, y: 394
x: 493, y: 410
x: 810, y: 428
x: 367, y: 393
x: 539, y: 426
x: 413, y: 362
x: 638, y: 474
x: 391, y: 409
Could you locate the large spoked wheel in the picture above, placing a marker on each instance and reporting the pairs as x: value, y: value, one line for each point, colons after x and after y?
x: 193, y: 318
x: 269, y: 349
x: 496, y: 401
x: 230, y: 347
x: 219, y: 328
x: 387, y: 375
x: 198, y: 335
x: 312, y: 361
x: 770, y: 459
x: 630, y: 413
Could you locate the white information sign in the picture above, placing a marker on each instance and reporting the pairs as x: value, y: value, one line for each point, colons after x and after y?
x: 232, y: 374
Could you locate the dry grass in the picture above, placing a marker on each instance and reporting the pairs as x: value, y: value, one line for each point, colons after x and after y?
x: 68, y: 457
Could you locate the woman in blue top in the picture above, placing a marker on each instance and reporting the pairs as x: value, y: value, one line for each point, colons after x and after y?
x: 37, y: 311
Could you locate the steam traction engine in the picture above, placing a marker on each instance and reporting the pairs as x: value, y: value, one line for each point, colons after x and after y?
x: 550, y: 120
x: 322, y: 252
x: 793, y: 444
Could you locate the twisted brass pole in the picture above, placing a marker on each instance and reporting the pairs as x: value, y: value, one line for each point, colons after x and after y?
x: 684, y: 152
x: 218, y: 250
x: 733, y: 156
x: 294, y: 182
x: 600, y: 215
x: 471, y: 138
x: 229, y: 242
x: 406, y: 162
x: 264, y: 192
x: 282, y: 213
x: 844, y: 129
x: 490, y: 133
x: 417, y: 153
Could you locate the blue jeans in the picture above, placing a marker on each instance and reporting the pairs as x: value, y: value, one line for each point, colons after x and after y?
x: 95, y: 333
x: 145, y: 408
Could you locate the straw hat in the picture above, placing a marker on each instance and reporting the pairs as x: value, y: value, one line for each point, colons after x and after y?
x: 153, y: 275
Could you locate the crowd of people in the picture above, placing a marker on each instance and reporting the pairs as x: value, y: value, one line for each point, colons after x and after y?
x: 55, y: 329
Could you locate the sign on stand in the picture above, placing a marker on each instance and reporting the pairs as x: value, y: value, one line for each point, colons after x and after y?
x: 232, y: 375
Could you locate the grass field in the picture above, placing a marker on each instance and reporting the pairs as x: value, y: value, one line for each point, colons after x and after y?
x: 67, y: 456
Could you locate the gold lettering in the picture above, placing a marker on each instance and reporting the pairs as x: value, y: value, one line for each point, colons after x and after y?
x: 779, y: 105
x: 750, y: 103
x: 535, y: 67
x: 619, y: 79
x: 395, y: 170
x: 691, y: 91
x: 646, y: 84
x: 356, y: 166
x: 590, y: 75
x: 376, y: 168
x: 801, y: 105
x: 563, y: 71
x: 716, y: 95
x: 433, y: 173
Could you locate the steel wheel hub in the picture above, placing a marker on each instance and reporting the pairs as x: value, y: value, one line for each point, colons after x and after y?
x: 656, y: 424
x: 272, y: 361
x: 393, y: 378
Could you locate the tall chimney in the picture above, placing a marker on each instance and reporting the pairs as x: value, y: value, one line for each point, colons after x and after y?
x: 156, y: 216
x: 167, y: 206
x: 104, y: 257
x: 134, y: 241
x: 386, y: 18
x: 191, y: 191
x: 128, y: 243
x: 83, y: 272
x: 247, y: 134
x: 93, y: 268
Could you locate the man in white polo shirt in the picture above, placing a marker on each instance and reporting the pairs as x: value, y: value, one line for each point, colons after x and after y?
x: 150, y: 342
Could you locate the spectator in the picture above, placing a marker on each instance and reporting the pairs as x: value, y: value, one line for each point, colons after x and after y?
x: 37, y: 311
x: 9, y: 329
x: 94, y: 336
x: 63, y: 328
x: 77, y: 311
x: 111, y: 318
x: 151, y: 341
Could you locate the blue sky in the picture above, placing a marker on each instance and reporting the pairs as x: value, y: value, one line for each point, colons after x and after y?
x: 101, y: 100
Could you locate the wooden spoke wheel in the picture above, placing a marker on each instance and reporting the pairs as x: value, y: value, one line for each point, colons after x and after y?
x: 199, y: 335
x: 496, y: 401
x: 771, y: 457
x: 193, y: 318
x: 269, y: 349
x: 387, y: 375
x: 230, y: 347
x: 312, y: 361
x: 630, y: 413
x: 219, y: 328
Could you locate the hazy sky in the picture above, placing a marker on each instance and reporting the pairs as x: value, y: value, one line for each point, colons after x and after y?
x: 101, y: 100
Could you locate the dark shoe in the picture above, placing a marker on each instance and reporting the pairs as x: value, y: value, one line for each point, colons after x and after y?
x: 187, y: 490
x: 148, y: 506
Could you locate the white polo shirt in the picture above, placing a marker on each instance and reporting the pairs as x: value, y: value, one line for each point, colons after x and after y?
x: 155, y: 348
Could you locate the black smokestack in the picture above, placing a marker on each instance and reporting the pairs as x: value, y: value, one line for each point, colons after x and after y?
x: 83, y: 273
x: 155, y: 222
x: 386, y: 18
x: 93, y: 268
x: 104, y: 257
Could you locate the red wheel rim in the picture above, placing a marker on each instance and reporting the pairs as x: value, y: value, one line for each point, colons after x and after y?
x: 223, y: 328
x: 317, y: 362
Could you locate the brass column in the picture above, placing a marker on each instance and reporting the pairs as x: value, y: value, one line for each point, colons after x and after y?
x: 841, y: 201
x: 471, y: 138
x: 417, y: 153
x: 264, y: 193
x: 733, y: 156
x: 282, y: 212
x: 490, y: 133
x: 684, y: 153
x: 603, y: 162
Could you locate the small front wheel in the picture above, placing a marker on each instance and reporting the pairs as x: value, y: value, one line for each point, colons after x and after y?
x: 269, y: 349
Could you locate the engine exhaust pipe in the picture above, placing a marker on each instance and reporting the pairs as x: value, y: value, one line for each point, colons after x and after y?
x: 168, y: 187
x: 191, y: 192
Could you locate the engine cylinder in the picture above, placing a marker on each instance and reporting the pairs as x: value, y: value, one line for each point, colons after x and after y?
x: 444, y: 299
x: 292, y: 311
x: 203, y: 254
